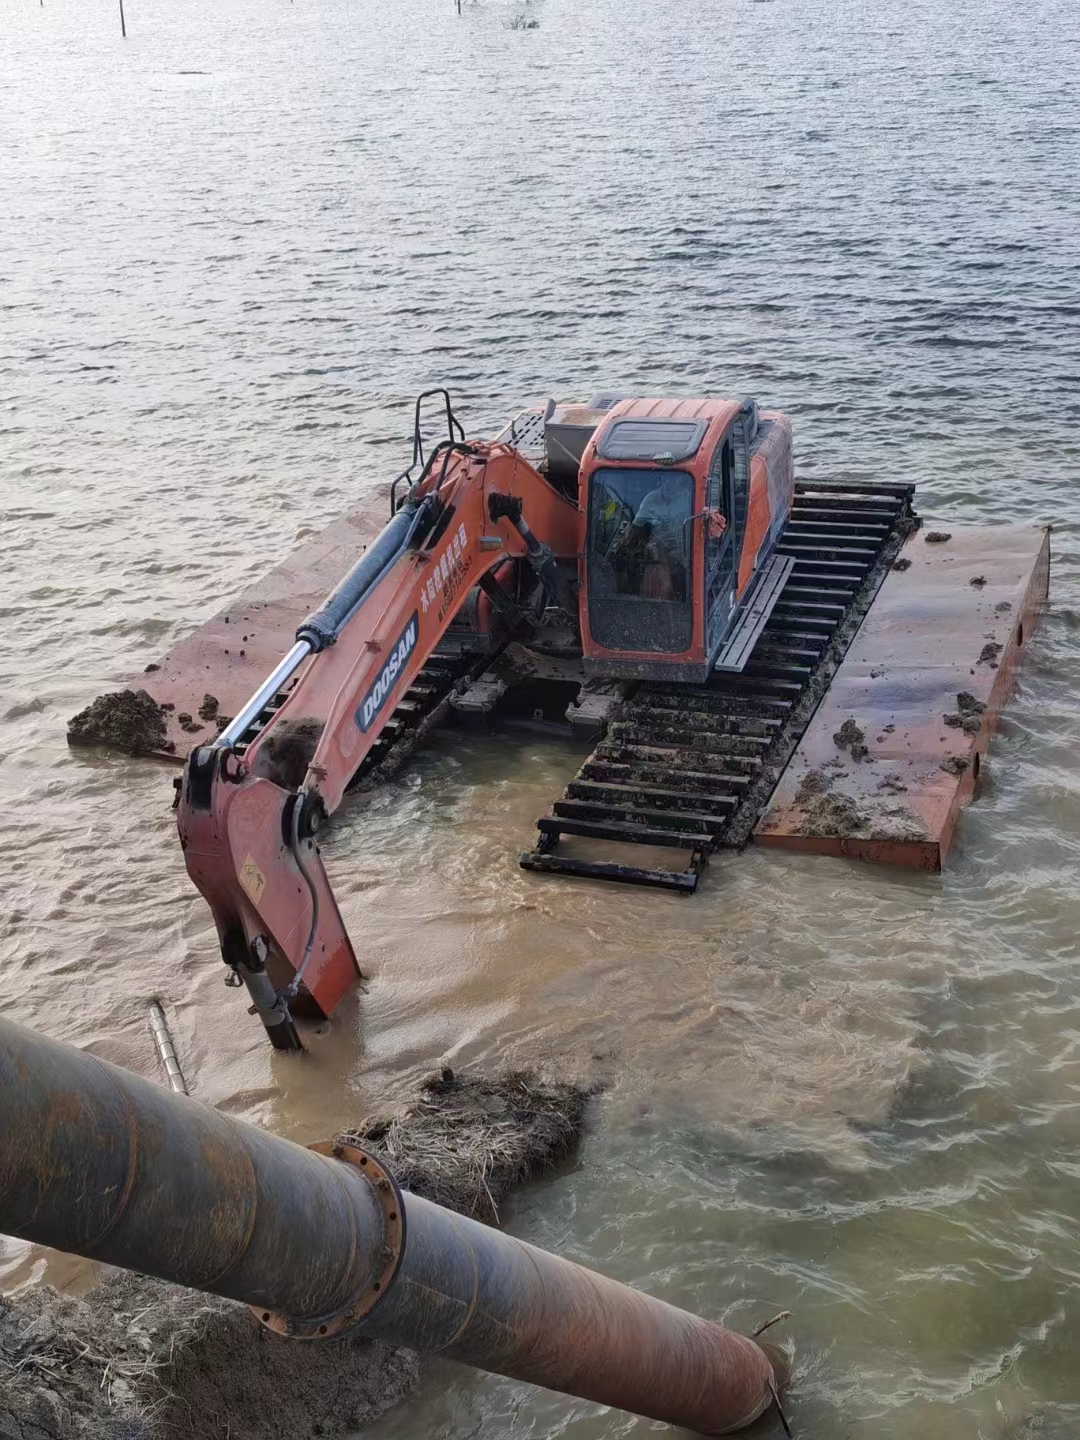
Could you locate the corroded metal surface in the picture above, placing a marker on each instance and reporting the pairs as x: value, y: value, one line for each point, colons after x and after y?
x: 919, y: 693
x: 102, y: 1163
x: 230, y: 655
x: 391, y: 1202
x: 474, y: 1294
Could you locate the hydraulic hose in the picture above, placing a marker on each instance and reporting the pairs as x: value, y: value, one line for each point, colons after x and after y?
x: 323, y: 626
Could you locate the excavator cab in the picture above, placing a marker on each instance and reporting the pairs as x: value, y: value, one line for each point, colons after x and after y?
x: 683, y: 502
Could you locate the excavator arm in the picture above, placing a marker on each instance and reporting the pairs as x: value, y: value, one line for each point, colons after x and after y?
x: 252, y: 806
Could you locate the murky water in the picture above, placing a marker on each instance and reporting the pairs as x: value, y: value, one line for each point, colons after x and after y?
x: 232, y: 249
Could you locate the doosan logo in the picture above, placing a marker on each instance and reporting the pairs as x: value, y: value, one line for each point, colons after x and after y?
x: 377, y: 696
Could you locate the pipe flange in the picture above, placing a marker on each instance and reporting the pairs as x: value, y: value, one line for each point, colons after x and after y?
x: 388, y: 1196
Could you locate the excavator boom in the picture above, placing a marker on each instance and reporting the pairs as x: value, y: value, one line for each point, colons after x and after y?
x: 250, y: 815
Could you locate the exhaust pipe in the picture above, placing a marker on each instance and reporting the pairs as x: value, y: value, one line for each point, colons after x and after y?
x: 102, y: 1163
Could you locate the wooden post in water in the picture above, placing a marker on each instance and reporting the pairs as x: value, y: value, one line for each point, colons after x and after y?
x: 123, y: 27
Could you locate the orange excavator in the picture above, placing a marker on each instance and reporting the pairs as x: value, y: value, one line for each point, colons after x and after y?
x: 655, y: 552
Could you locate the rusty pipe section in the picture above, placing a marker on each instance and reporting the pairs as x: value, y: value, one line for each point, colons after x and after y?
x: 102, y: 1163
x: 480, y: 1296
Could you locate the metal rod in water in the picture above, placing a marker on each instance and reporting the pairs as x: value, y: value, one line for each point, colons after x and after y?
x: 123, y: 27
x: 166, y: 1048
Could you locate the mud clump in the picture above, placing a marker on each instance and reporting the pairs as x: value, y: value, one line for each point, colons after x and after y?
x: 989, y: 654
x: 187, y: 724
x: 468, y: 1142
x: 849, y: 737
x: 288, y: 750
x: 1002, y: 607
x: 848, y: 734
x: 840, y: 815
x: 893, y: 784
x: 968, y: 714
x: 902, y: 564
x: 977, y: 582
x: 814, y: 782
x: 832, y: 815
x: 954, y: 764
x: 894, y: 822
x: 209, y: 708
x: 937, y: 537
x: 139, y: 1359
x: 128, y: 720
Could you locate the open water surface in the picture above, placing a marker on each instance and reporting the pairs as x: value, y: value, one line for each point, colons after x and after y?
x: 232, y: 248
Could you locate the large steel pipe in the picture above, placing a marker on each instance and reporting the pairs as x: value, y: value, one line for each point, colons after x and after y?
x: 98, y: 1161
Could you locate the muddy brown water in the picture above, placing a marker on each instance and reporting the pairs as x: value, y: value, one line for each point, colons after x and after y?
x: 232, y: 250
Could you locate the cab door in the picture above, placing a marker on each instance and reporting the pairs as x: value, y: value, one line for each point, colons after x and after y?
x: 725, y: 492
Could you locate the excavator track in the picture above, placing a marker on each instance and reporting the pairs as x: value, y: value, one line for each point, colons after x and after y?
x: 420, y: 709
x: 423, y: 706
x: 691, y: 767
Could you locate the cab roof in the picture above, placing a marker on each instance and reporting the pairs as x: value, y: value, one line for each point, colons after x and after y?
x: 668, y: 431
x: 646, y: 409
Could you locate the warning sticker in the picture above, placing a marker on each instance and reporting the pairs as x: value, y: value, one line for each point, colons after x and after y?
x: 252, y: 878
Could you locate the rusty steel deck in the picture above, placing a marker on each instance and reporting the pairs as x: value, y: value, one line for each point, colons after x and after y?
x: 897, y: 744
x: 233, y: 652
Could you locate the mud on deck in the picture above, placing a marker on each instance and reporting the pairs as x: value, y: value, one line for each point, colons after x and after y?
x: 895, y: 750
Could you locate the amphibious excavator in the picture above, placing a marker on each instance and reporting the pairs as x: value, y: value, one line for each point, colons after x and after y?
x: 651, y: 558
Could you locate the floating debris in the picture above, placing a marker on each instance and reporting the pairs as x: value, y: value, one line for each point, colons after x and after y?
x: 469, y: 1141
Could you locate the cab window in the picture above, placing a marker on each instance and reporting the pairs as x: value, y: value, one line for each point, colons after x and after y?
x: 639, y: 558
